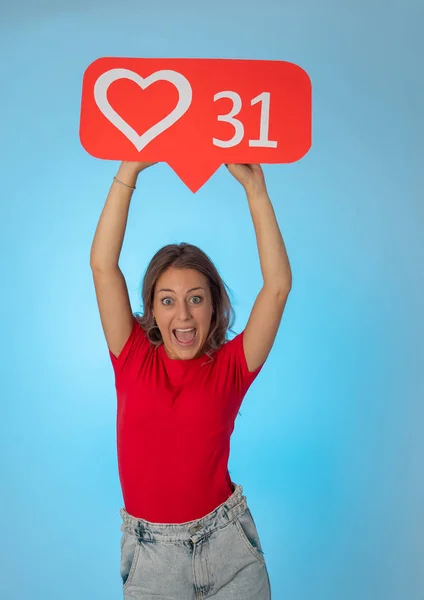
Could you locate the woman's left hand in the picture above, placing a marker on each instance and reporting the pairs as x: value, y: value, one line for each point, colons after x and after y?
x: 251, y: 177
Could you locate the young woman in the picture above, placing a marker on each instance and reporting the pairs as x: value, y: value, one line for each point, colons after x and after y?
x: 187, y: 532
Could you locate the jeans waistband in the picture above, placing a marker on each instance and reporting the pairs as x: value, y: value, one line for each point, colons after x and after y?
x: 191, y: 530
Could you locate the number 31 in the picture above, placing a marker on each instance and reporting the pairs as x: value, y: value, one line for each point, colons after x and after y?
x: 263, y: 141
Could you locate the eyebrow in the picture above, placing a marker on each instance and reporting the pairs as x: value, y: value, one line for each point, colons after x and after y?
x: 168, y: 290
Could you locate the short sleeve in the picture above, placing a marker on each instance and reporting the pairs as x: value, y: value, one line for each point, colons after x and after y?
x: 132, y: 354
x: 234, y: 355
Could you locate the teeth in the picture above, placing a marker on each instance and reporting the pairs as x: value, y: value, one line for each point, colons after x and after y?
x: 192, y: 329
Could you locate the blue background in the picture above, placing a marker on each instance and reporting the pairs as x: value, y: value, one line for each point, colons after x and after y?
x: 329, y: 443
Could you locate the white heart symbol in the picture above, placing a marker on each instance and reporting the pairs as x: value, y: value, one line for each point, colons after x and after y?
x: 140, y: 141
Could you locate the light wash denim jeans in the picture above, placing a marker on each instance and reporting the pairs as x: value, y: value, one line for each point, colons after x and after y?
x: 218, y: 556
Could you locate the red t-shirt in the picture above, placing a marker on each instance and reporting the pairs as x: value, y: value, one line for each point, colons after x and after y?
x: 174, y: 423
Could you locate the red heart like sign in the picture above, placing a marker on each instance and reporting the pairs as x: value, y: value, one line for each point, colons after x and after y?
x: 196, y: 114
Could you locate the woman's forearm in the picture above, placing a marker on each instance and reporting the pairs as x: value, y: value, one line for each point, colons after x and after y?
x: 275, y: 265
x: 110, y: 231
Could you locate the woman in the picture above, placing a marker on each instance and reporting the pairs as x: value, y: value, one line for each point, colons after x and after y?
x: 187, y: 532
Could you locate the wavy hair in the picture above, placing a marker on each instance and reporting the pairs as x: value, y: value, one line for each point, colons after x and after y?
x: 187, y: 256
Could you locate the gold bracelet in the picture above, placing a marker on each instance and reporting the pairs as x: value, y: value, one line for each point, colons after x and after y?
x: 122, y: 183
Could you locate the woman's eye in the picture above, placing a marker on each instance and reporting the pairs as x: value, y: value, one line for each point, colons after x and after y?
x: 194, y: 299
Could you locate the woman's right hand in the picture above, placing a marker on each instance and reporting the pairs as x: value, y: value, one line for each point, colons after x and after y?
x: 137, y: 166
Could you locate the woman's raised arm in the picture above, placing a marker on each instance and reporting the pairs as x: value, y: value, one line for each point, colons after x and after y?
x: 109, y: 282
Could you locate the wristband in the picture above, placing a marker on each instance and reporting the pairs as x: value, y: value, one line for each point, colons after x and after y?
x: 122, y: 183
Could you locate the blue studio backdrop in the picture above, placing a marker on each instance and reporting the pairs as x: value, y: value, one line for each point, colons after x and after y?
x: 328, y: 445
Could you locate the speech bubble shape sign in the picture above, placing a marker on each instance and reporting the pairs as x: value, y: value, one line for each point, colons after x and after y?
x: 196, y: 114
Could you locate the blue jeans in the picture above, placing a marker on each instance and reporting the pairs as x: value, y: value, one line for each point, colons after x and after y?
x: 218, y: 556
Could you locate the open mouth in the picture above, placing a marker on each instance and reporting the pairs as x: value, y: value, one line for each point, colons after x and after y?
x: 185, y: 337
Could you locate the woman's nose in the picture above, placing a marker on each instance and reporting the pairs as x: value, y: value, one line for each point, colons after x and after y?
x: 183, y: 311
